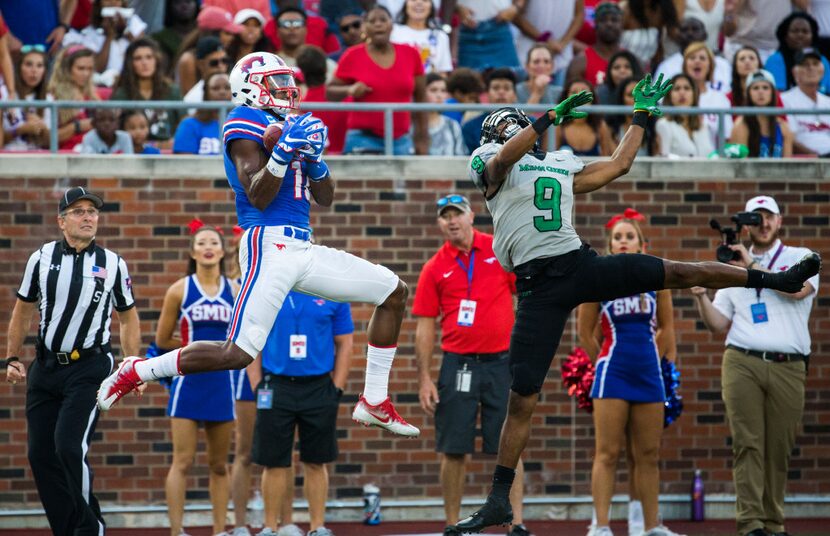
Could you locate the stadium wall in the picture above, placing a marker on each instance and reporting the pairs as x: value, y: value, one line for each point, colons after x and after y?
x: 384, y: 210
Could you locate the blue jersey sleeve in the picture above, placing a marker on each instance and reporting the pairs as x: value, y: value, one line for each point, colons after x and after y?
x: 342, y: 323
x: 187, y: 137
x: 244, y: 123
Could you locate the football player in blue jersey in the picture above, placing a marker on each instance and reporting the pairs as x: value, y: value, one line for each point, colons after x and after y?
x: 273, y: 199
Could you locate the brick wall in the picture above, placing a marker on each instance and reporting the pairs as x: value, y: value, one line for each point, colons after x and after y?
x: 392, y: 221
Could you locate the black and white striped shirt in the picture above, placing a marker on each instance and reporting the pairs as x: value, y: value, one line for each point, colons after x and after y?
x: 77, y: 292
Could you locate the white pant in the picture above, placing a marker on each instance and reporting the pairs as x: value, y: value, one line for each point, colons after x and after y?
x: 272, y: 264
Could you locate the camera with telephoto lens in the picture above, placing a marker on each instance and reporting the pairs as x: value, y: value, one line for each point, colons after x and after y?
x: 730, y: 234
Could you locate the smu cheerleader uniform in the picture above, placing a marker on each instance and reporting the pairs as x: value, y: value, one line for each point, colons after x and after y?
x: 206, y: 396
x: 241, y: 386
x: 628, y: 365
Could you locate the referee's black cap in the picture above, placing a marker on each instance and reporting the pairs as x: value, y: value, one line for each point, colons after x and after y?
x: 76, y: 194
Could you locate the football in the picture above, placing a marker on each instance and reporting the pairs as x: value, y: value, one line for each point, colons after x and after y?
x: 271, y: 136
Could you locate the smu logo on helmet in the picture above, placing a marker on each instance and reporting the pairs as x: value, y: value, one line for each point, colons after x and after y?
x: 215, y: 311
x: 249, y: 64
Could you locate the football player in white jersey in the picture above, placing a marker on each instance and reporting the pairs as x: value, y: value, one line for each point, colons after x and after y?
x: 530, y: 196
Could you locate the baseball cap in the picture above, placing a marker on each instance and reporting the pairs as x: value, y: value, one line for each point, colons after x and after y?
x: 207, y: 45
x: 453, y: 200
x: 216, y: 18
x: 762, y: 202
x: 246, y: 14
x: 806, y: 52
x: 760, y: 75
x: 75, y: 194
x: 605, y: 8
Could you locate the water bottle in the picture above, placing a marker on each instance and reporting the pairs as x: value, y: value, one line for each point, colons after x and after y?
x: 256, y: 511
x: 371, y: 505
x: 698, y: 509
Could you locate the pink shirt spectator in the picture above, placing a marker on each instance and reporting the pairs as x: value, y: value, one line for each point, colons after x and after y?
x: 395, y: 84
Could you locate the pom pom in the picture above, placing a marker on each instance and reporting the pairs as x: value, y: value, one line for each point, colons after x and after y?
x: 671, y: 382
x: 578, y: 378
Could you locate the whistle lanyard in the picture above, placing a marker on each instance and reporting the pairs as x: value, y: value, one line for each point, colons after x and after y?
x: 769, y: 268
x: 296, y: 312
x: 469, y: 270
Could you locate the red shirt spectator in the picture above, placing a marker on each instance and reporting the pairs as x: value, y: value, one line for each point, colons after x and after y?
x: 595, y: 67
x: 393, y: 84
x: 318, y: 34
x: 443, y: 283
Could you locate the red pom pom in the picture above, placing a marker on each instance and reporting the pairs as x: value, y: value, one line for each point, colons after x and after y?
x: 271, y: 136
x: 578, y: 378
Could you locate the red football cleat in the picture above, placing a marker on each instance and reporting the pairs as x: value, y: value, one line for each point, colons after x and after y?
x: 383, y: 416
x: 119, y: 383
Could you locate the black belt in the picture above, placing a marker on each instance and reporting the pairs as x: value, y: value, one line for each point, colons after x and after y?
x: 773, y: 357
x: 67, y: 358
x: 479, y: 357
x: 295, y: 379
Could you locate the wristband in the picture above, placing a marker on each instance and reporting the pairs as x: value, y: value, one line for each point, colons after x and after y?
x: 542, y: 123
x: 12, y: 359
x: 640, y: 118
x: 275, y: 167
x: 317, y: 171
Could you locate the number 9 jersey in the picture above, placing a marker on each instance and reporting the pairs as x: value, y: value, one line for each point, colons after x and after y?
x: 532, y: 209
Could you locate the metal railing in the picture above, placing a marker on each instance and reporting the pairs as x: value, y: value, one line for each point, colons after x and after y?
x: 389, y: 109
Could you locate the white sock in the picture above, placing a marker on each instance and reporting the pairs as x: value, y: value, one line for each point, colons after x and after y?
x: 593, y: 517
x: 163, y: 366
x: 378, y: 365
x: 635, y: 512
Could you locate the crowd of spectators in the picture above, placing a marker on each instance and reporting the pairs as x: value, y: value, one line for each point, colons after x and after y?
x: 723, y: 53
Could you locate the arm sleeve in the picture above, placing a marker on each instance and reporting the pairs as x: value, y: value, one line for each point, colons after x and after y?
x: 426, y: 301
x: 29, y: 290
x: 122, y: 291
x: 343, y: 324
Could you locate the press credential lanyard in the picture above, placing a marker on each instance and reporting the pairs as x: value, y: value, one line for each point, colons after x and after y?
x: 467, y: 309
x: 297, y: 342
x: 759, y: 309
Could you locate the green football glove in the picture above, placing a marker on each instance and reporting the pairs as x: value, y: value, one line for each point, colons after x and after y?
x: 566, y: 109
x: 647, y: 95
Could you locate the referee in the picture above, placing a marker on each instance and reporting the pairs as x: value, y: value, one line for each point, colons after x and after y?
x: 75, y: 283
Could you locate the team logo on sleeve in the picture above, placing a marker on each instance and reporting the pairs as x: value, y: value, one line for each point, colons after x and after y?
x: 477, y: 164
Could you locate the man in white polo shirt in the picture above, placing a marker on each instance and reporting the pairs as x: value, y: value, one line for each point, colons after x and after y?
x: 812, y: 131
x: 764, y: 371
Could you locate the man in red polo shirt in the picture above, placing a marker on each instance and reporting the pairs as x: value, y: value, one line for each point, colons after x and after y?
x: 464, y: 284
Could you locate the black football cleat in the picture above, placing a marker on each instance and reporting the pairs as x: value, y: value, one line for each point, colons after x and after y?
x: 800, y: 272
x: 494, y: 512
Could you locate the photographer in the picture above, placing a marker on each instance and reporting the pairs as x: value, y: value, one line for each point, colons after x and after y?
x: 764, y: 370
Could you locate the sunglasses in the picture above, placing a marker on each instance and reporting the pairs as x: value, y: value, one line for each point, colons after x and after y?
x: 452, y: 198
x: 219, y: 61
x: 25, y: 49
x: 351, y: 26
x: 293, y: 23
